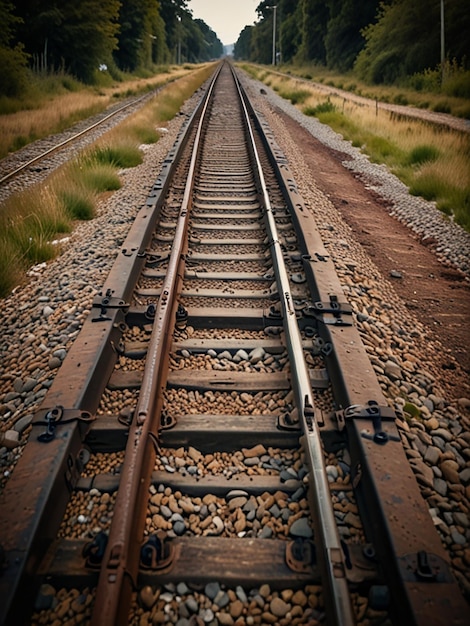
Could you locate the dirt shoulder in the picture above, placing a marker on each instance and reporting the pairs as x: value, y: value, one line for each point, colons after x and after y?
x: 439, y: 296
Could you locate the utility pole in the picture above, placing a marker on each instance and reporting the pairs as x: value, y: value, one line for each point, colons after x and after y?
x: 443, y: 56
x: 274, y: 7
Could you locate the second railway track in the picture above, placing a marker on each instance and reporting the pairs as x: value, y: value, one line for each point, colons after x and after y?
x: 216, y: 404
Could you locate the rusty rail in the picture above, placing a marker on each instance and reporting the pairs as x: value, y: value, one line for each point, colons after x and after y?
x: 413, y: 562
x: 121, y: 560
x: 329, y: 549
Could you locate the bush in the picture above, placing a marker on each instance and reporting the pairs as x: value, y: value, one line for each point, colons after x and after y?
x: 145, y: 134
x: 13, y: 72
x: 10, y: 266
x: 98, y: 177
x: 298, y: 96
x: 323, y: 107
x: 457, y: 85
x: 442, y: 107
x: 400, y: 99
x: 123, y: 155
x: 78, y: 203
x: 423, y: 154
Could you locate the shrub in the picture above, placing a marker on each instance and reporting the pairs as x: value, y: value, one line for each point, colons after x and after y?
x: 145, y: 134
x: 121, y: 155
x: 78, y: 203
x: 400, y: 99
x: 13, y: 72
x: 323, y: 107
x: 100, y: 178
x: 423, y: 154
x: 10, y: 266
x: 298, y: 96
x: 442, y: 107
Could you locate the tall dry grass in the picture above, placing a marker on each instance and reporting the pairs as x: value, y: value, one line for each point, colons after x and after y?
x: 31, y: 220
x: 433, y: 161
x: 55, y: 113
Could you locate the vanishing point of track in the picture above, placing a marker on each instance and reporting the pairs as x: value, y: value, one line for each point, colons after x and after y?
x: 222, y: 368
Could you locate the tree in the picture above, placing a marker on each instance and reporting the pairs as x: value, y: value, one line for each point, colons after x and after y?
x: 344, y: 39
x: 212, y: 47
x: 242, y: 48
x: 406, y: 39
x: 141, y: 39
x: 313, y: 28
x: 13, y: 59
x: 289, y: 36
x: 170, y: 11
x: 76, y: 36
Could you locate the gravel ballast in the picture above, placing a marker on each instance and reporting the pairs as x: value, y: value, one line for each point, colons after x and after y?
x: 40, y: 320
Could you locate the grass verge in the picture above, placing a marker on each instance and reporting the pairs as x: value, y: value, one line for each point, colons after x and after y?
x: 31, y: 220
x: 57, y: 102
x: 433, y: 162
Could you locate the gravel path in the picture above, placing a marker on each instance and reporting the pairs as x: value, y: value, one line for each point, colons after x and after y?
x: 421, y: 216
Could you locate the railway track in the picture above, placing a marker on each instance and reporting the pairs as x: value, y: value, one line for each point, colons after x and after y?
x: 36, y: 161
x: 215, y: 407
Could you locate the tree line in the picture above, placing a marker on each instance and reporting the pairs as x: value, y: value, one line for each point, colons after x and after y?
x: 381, y: 40
x: 83, y: 36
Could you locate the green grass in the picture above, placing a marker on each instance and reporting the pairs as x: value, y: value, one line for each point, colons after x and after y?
x: 296, y: 96
x: 451, y: 200
x: 100, y: 178
x: 11, y: 265
x: 120, y: 155
x: 423, y: 154
x: 78, y: 203
x: 31, y: 220
x: 145, y: 134
x: 432, y: 162
x: 316, y: 111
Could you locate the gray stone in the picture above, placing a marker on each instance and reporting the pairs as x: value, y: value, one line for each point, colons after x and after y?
x: 47, y: 311
x: 461, y: 519
x: 207, y: 615
x: 458, y: 538
x: 440, y: 486
x: 212, y: 589
x: 179, y: 528
x: 60, y: 354
x: 392, y: 370
x: 301, y: 528
x: 443, y: 433
x: 165, y: 511
x: 221, y: 599
x: 464, y: 476
x: 241, y: 595
x: 192, y: 604
x: 182, y: 589
x: 432, y: 455
x: 29, y: 385
x: 22, y: 424
x: 54, y: 363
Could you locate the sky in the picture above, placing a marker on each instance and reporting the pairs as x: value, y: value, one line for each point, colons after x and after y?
x: 227, y: 18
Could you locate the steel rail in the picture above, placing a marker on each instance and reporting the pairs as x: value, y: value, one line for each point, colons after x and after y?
x: 121, y: 560
x: 413, y: 563
x: 73, y: 138
x: 338, y: 601
x: 33, y: 503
